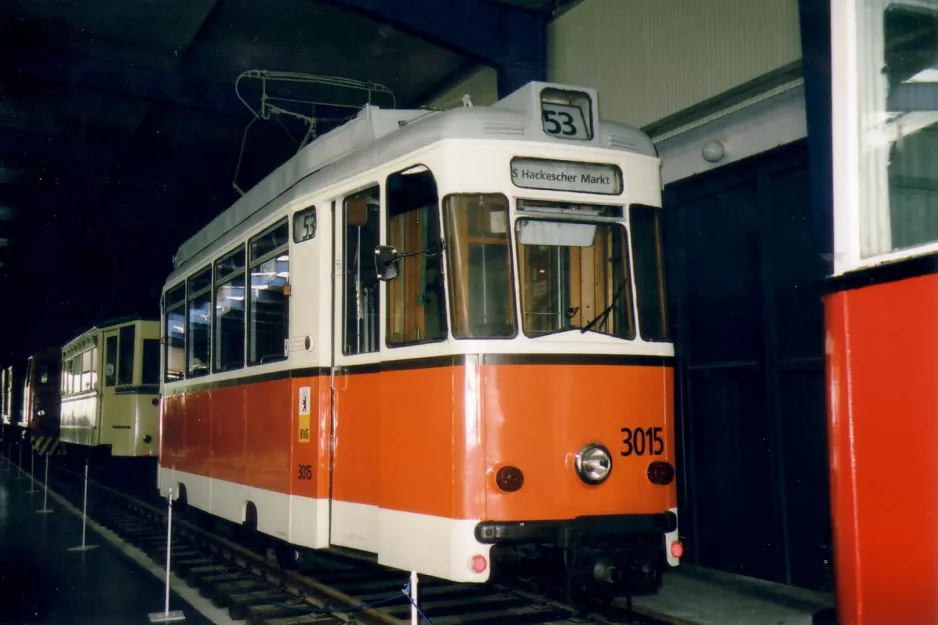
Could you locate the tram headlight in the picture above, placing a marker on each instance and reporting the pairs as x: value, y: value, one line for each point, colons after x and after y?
x: 593, y: 464
x: 40, y: 413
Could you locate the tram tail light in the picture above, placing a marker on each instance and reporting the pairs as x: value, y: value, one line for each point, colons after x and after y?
x: 677, y: 549
x: 660, y: 473
x: 478, y: 564
x: 509, y: 479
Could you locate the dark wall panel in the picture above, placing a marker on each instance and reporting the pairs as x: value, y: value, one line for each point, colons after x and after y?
x: 749, y: 328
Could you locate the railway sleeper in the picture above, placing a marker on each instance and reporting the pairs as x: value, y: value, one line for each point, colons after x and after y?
x: 261, y: 613
x: 160, y: 558
x: 221, y: 593
x: 207, y: 583
x: 465, y: 605
x: 182, y: 566
x: 523, y: 615
x: 238, y: 604
x: 196, y: 573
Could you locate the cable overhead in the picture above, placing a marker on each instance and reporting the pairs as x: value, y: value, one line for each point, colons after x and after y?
x: 272, y: 106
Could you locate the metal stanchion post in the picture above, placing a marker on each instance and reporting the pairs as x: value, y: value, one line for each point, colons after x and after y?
x: 84, y: 517
x: 32, y: 479
x: 176, y: 615
x: 45, y: 491
x: 414, y: 620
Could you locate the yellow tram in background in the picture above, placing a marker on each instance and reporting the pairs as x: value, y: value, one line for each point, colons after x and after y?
x: 110, y: 388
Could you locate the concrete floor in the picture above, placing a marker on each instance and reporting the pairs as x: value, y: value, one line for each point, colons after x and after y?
x: 42, y: 582
x: 707, y: 597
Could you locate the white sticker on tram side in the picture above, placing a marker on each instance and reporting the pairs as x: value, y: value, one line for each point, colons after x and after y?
x: 303, y: 421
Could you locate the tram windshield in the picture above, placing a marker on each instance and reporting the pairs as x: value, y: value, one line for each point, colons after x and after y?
x: 574, y: 274
x: 575, y: 269
x: 479, y: 258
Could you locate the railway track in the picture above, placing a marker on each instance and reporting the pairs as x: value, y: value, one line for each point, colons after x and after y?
x: 330, y: 588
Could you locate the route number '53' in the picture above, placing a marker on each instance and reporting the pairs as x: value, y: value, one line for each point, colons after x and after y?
x: 640, y: 441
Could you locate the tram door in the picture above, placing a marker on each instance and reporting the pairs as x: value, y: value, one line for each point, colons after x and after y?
x: 109, y: 383
x: 355, y: 379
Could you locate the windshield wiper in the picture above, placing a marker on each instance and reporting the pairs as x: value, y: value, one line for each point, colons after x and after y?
x: 605, y: 313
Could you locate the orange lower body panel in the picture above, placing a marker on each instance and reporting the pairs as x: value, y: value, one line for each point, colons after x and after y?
x: 430, y: 440
x: 882, y: 369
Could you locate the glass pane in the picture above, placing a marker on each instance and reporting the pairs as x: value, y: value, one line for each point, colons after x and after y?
x: 86, y: 371
x: 269, y: 241
x: 270, y: 309
x: 232, y: 263
x: 200, y: 281
x: 94, y: 367
x: 361, y: 295
x: 76, y: 374
x: 574, y: 275
x: 200, y: 308
x: 416, y: 299
x: 110, y: 364
x: 66, y: 377
x: 125, y: 361
x: 175, y: 295
x: 898, y: 56
x: 151, y: 362
x: 649, y: 272
x: 229, y: 325
x: 479, y: 263
x: 175, y: 335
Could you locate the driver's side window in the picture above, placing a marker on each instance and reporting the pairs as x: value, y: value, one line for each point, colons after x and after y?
x: 416, y: 298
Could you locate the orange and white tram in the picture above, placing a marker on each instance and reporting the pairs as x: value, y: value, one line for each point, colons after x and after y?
x: 438, y: 337
x: 881, y: 310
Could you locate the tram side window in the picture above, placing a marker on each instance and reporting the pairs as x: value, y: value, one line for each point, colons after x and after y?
x: 76, y: 374
x: 361, y: 295
x: 270, y: 305
x: 479, y: 262
x: 416, y: 298
x: 94, y: 367
x: 648, y: 257
x: 125, y: 360
x: 174, y: 333
x: 110, y: 362
x: 197, y: 323
x: 66, y: 377
x: 899, y: 133
x: 228, y: 323
x: 151, y: 362
x: 86, y: 371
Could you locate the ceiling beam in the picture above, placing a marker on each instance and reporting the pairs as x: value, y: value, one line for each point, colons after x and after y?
x: 108, y: 76
x: 512, y: 40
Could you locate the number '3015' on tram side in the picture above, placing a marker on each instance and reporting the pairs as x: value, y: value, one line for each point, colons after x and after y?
x: 439, y: 337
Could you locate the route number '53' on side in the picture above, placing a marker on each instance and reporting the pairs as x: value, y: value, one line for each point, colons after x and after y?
x: 640, y: 441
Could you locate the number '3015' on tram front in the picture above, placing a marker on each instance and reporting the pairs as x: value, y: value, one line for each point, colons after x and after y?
x: 441, y: 338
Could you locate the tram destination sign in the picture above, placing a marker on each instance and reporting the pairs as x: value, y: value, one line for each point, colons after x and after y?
x: 536, y: 173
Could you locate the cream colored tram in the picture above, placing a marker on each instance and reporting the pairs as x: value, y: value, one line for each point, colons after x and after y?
x: 110, y: 388
x: 438, y: 337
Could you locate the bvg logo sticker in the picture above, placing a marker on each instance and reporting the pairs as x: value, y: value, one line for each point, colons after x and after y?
x: 304, y: 414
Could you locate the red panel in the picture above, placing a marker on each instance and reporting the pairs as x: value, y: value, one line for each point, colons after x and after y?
x: 540, y: 432
x: 269, y: 428
x: 431, y: 448
x: 224, y: 408
x: 882, y: 367
x: 357, y: 438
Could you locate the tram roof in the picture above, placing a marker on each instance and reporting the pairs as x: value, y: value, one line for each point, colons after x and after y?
x: 104, y: 324
x: 378, y: 136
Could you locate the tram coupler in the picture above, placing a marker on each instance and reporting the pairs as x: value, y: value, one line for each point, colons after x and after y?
x: 599, y: 571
